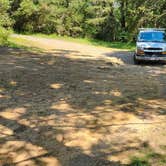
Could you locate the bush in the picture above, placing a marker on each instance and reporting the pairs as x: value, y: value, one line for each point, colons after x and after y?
x: 4, y: 34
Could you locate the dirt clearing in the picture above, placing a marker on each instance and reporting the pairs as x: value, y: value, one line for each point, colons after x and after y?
x: 79, y: 105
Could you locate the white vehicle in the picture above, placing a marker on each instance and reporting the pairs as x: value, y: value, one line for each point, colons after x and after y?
x: 151, y: 45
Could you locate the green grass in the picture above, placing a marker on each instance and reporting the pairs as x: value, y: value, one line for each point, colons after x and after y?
x: 116, y: 45
x: 148, y: 157
x: 139, y: 161
x: 15, y: 42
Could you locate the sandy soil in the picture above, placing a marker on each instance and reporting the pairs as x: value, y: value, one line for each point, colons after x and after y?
x: 78, y: 105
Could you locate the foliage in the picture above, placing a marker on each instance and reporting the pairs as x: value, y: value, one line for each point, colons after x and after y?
x: 4, y: 34
x: 110, y: 20
x: 5, y: 21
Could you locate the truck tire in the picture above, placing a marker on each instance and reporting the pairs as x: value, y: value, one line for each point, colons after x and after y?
x: 136, y: 62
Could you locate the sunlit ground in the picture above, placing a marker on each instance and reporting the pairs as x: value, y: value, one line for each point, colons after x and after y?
x: 56, y: 109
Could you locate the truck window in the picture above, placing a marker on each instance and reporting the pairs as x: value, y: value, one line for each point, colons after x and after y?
x: 152, y: 37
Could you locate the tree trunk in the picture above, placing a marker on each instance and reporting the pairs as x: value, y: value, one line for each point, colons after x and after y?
x: 123, y: 14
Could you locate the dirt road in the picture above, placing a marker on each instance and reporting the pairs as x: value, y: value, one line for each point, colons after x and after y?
x: 79, y: 51
x: 79, y: 105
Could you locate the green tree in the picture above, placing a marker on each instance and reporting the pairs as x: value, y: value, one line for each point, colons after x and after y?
x: 102, y: 19
x: 5, y: 21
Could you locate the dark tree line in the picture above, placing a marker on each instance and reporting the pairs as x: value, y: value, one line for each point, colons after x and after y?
x: 102, y: 19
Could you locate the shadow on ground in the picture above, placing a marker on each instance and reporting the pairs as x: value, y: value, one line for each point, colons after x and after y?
x: 58, y: 110
x: 125, y: 56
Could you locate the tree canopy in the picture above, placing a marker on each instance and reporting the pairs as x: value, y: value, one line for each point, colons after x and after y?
x: 102, y: 19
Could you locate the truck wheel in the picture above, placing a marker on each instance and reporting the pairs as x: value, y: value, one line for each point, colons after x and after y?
x: 136, y: 62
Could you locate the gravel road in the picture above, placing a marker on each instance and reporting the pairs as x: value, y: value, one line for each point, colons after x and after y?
x: 71, y: 104
x: 86, y: 51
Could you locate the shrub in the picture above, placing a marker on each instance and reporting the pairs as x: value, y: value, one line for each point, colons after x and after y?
x: 4, y: 34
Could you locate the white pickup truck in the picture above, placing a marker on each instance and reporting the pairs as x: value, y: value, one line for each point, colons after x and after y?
x: 151, y: 45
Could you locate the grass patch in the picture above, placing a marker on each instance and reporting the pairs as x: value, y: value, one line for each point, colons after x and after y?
x: 136, y: 161
x: 19, y: 43
x: 4, y: 34
x: 147, y: 158
x: 116, y: 45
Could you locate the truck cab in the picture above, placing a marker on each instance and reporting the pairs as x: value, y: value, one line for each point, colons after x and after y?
x: 151, y: 45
